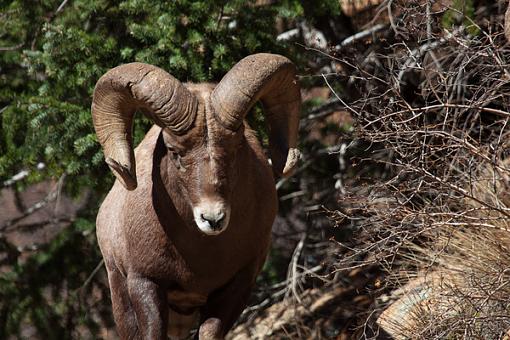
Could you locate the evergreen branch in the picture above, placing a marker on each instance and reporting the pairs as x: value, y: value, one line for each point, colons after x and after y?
x: 48, y: 20
x: 11, y: 48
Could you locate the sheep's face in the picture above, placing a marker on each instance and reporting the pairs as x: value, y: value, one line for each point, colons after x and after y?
x: 204, y: 148
x: 206, y: 163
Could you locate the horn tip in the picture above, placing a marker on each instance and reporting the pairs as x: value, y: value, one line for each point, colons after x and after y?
x: 123, y: 174
x: 292, y: 160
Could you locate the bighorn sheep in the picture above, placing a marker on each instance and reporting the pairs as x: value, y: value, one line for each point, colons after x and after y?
x: 192, y: 231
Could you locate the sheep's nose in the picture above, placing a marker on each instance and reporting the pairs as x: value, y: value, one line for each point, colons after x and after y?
x: 214, y: 221
x: 211, y: 218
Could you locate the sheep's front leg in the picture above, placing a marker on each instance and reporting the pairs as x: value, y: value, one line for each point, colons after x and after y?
x: 123, y: 313
x: 225, y: 305
x: 151, y: 310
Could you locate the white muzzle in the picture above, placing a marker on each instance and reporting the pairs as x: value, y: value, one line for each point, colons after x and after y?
x: 211, y: 217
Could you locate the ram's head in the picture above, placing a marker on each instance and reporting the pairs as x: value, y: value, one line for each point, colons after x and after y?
x: 202, y: 125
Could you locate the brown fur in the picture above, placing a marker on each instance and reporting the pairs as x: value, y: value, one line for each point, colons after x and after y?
x: 154, y: 253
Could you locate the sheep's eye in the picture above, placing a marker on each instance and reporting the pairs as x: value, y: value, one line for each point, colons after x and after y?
x: 176, y: 158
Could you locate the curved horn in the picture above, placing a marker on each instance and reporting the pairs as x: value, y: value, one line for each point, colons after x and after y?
x: 272, y: 79
x: 123, y: 90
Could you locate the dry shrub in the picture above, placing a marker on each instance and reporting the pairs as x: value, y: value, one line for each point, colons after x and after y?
x: 460, y: 287
x: 433, y: 102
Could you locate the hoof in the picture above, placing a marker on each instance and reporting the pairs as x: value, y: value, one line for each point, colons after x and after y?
x: 210, y: 330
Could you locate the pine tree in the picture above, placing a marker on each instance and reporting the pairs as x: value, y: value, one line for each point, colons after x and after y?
x: 51, y: 55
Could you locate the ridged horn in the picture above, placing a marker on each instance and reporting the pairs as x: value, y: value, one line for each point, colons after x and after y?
x: 125, y: 89
x: 271, y: 79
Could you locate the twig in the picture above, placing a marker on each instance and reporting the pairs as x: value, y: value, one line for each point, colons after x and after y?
x: 418, y: 53
x: 61, y: 6
x: 287, y: 35
x: 323, y: 110
x: 91, y: 276
x: 293, y: 273
x: 21, y: 175
x: 337, y: 97
x: 390, y: 16
x: 360, y: 35
x: 438, y: 106
x: 35, y: 207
